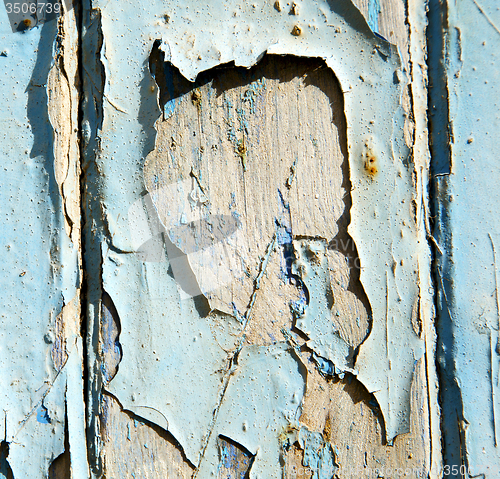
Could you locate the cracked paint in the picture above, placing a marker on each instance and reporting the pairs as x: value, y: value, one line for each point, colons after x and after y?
x: 154, y: 315
x: 311, y: 265
x: 169, y: 309
x: 40, y: 349
x: 467, y: 238
x: 419, y: 55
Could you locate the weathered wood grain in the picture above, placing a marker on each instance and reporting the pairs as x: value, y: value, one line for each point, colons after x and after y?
x: 270, y: 144
x: 293, y: 131
x: 136, y: 448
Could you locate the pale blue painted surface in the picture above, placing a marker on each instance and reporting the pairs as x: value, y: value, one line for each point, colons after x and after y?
x: 373, y: 13
x: 468, y: 227
x: 167, y: 347
x: 33, y: 248
x: 34, y: 243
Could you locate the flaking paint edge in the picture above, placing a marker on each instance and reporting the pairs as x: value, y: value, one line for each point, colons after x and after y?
x: 51, y: 180
x: 366, y: 191
x: 384, y: 74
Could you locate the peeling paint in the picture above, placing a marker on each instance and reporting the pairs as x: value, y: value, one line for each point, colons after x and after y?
x: 40, y: 240
x: 311, y: 265
x: 319, y: 455
x: 419, y: 25
x: 156, y: 318
x: 467, y: 234
x: 157, y: 323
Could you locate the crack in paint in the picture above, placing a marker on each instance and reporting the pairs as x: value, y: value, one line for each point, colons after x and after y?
x: 233, y: 360
x: 382, y: 225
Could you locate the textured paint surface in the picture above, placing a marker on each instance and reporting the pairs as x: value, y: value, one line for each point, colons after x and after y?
x: 311, y: 265
x: 155, y: 317
x: 40, y: 362
x: 468, y: 233
x: 162, y: 338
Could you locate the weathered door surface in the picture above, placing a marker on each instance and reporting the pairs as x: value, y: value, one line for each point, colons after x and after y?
x: 249, y: 239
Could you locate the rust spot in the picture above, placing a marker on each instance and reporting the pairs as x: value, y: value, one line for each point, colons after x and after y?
x: 241, y: 151
x: 297, y: 31
x: 196, y: 98
x: 371, y: 163
x: 27, y: 22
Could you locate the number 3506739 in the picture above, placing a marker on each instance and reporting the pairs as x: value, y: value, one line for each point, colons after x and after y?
x: 39, y: 8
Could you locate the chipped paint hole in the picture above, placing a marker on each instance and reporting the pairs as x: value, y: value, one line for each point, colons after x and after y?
x: 234, y: 459
x: 111, y: 349
x: 5, y: 470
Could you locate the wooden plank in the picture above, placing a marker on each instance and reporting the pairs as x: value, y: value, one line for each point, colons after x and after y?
x: 273, y: 139
x: 135, y: 448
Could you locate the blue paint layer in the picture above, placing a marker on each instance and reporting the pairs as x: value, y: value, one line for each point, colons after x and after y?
x: 318, y: 454
x: 373, y: 13
x: 468, y: 232
x: 42, y: 415
x: 38, y: 262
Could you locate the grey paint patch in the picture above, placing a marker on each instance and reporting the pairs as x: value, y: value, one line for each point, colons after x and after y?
x: 155, y: 318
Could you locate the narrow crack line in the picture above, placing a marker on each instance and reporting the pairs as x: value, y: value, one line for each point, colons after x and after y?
x: 497, y: 295
x: 230, y: 371
x: 263, y: 266
x: 82, y: 165
x: 490, y: 21
x: 45, y: 394
x: 157, y: 410
x: 494, y: 348
x: 226, y: 379
x: 116, y: 107
x: 493, y: 388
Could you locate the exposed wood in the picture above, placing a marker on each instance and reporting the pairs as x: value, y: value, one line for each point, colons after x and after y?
x: 245, y: 135
x: 392, y: 21
x: 138, y: 449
